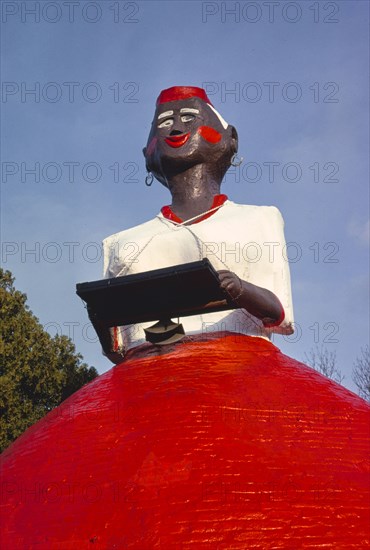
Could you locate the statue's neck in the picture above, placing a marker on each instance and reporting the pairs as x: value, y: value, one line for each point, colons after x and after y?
x: 192, y: 192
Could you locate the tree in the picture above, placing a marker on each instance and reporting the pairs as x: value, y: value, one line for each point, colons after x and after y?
x: 361, y: 373
x: 324, y: 361
x: 37, y: 372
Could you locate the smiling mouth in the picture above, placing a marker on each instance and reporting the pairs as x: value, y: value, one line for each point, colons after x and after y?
x: 178, y: 140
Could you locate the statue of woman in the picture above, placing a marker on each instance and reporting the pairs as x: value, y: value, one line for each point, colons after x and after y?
x: 189, y: 149
x: 214, y: 441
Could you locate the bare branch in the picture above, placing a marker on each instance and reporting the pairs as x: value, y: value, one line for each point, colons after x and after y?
x: 361, y: 373
x: 324, y: 361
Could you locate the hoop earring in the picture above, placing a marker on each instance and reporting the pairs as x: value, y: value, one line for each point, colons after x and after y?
x: 149, y: 179
x: 235, y: 160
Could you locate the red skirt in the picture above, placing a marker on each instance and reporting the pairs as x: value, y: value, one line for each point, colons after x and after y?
x: 223, y: 443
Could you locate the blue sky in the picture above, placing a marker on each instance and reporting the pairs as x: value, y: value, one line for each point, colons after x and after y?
x: 292, y: 77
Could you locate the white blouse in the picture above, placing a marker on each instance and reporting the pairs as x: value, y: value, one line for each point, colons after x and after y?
x: 247, y: 240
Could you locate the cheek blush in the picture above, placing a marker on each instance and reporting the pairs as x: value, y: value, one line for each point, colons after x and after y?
x: 209, y: 134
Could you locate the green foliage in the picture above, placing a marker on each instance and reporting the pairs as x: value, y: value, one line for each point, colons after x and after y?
x: 37, y: 372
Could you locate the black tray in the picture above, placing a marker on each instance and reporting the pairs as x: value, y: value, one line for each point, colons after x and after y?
x: 177, y: 291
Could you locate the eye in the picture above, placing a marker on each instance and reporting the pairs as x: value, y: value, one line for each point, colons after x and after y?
x: 187, y: 118
x: 166, y: 123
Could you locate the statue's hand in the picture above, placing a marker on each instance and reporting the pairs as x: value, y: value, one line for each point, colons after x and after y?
x: 231, y: 284
x: 258, y: 301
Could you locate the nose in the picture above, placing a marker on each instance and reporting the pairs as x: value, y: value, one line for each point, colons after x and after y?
x: 176, y: 133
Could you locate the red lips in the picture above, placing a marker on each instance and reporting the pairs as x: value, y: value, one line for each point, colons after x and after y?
x: 178, y: 140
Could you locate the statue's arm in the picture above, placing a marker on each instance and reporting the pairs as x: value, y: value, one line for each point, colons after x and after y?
x: 270, y: 299
x: 106, y: 339
x: 111, y: 343
x: 258, y: 301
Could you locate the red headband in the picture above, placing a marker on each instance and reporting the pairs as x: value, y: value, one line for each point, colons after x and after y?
x: 177, y: 93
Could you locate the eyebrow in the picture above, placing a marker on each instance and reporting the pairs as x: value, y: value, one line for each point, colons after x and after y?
x: 166, y: 113
x: 189, y: 110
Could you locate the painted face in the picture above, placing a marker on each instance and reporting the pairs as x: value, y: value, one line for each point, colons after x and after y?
x: 185, y: 133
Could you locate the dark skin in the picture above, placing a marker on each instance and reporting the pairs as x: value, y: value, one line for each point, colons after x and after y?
x: 193, y: 173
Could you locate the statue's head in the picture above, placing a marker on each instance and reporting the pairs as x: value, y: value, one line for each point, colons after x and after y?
x: 188, y: 131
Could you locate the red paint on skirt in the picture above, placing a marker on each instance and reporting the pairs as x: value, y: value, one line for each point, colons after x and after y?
x: 220, y: 444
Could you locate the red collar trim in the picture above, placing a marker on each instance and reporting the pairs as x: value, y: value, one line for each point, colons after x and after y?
x: 218, y: 200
